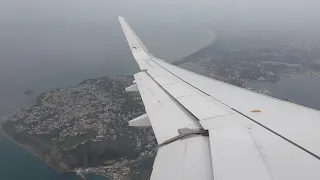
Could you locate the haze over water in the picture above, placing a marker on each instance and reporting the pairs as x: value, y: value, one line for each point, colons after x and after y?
x: 45, y: 45
x: 51, y: 44
x: 58, y: 43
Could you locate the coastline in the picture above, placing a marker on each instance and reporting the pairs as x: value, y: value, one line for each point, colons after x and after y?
x: 21, y: 146
x: 74, y: 171
x: 106, y: 176
x: 37, y: 156
x: 59, y: 157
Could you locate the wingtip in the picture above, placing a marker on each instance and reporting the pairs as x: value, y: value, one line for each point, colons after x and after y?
x: 132, y: 38
x: 120, y: 18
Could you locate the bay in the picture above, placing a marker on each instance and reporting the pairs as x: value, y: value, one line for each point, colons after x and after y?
x: 303, y: 90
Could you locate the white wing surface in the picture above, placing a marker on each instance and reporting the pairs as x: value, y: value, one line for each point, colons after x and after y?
x: 207, y: 129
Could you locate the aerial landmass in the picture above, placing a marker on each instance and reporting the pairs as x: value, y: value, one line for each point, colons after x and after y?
x: 85, y: 128
x: 240, y: 58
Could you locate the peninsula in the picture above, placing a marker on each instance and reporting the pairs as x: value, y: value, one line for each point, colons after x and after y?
x: 85, y: 129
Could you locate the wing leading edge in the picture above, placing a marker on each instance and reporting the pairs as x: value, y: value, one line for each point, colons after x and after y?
x: 277, y: 143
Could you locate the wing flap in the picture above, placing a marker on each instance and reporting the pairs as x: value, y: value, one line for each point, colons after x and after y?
x: 235, y: 156
x: 284, y: 160
x: 185, y: 159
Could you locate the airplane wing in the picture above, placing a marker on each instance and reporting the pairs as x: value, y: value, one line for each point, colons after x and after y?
x: 208, y: 129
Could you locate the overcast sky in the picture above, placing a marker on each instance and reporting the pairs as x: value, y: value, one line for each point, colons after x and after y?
x: 285, y: 11
x: 46, y: 44
x: 170, y: 28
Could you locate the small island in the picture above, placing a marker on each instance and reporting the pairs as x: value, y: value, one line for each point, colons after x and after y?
x: 28, y: 92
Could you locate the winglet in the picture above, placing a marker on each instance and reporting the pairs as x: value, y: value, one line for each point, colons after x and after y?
x: 136, y: 45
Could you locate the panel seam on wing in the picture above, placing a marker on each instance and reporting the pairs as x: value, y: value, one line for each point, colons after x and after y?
x: 148, y: 63
x: 259, y: 150
x: 184, y: 159
x: 279, y: 135
x: 218, y: 116
x: 191, y: 85
x: 173, y: 98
